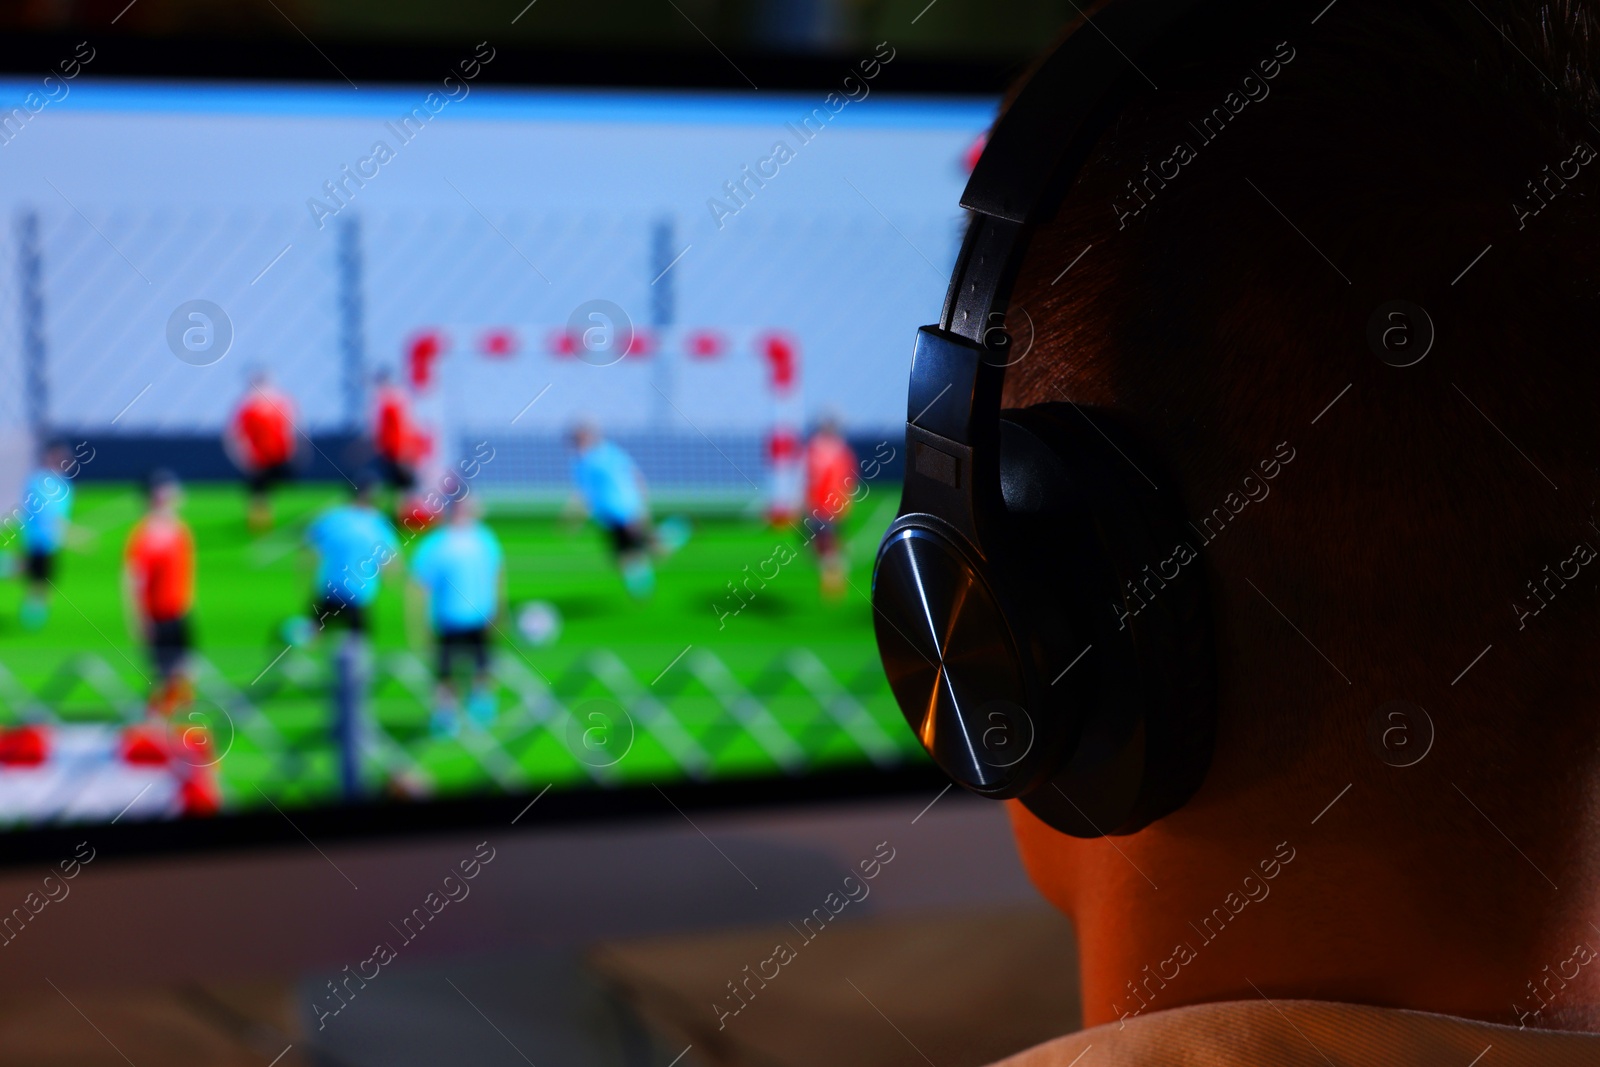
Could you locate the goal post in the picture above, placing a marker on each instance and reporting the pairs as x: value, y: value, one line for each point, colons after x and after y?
x: 710, y: 414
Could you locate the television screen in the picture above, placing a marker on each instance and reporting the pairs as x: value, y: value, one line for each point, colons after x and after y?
x: 427, y: 442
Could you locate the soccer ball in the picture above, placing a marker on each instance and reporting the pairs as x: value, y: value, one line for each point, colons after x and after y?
x: 672, y: 533
x: 539, y: 623
x: 297, y: 631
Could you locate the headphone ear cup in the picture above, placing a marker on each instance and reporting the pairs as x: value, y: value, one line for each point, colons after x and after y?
x: 1105, y: 573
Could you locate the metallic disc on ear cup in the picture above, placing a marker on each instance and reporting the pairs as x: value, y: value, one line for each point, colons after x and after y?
x: 952, y: 664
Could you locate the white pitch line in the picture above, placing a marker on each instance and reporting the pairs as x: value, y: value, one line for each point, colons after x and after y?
x: 280, y: 1055
x: 686, y: 1049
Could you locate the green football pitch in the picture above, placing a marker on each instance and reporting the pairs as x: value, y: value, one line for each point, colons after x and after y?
x: 628, y: 692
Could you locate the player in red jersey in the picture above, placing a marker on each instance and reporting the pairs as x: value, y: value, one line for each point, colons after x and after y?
x: 159, y: 590
x: 394, y: 435
x: 261, y: 441
x: 830, y: 480
x: 397, y: 442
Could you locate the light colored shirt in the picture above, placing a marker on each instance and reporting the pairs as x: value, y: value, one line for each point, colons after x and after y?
x: 46, y: 507
x: 608, y: 481
x: 1261, y: 1033
x: 352, y: 543
x: 459, y: 566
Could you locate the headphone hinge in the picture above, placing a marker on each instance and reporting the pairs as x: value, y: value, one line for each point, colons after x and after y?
x: 941, y: 481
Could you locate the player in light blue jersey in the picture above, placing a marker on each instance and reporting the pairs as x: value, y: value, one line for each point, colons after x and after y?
x: 353, y: 543
x: 44, y: 517
x: 612, y: 491
x: 459, y: 570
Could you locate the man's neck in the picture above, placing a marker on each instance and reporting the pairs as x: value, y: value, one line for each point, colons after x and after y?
x: 1311, y: 912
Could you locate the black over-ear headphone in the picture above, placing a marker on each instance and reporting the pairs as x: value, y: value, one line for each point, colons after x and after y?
x: 1035, y: 630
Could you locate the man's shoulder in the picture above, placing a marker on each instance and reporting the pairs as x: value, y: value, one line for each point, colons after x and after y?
x: 613, y: 455
x: 1248, y: 1033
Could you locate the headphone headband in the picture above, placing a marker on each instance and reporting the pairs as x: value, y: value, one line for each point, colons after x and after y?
x: 1038, y: 146
x: 1034, y: 153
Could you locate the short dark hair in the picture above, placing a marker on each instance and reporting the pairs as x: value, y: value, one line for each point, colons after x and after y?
x: 1423, y: 152
x: 158, y: 479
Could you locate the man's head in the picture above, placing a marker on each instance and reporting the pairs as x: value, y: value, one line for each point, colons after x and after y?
x: 162, y: 491
x: 57, y: 457
x: 1222, y: 275
x: 584, y: 435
